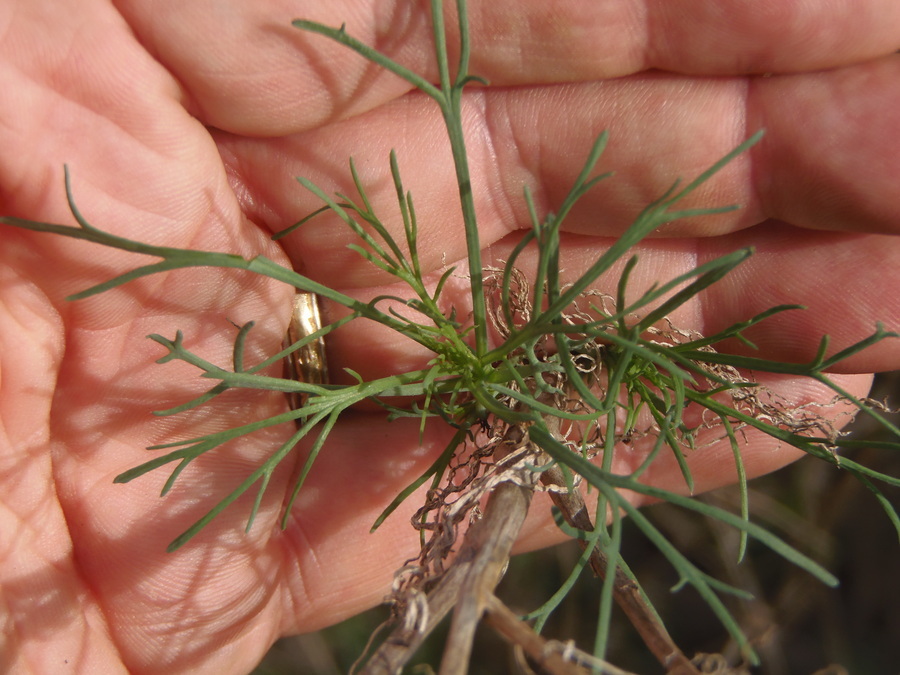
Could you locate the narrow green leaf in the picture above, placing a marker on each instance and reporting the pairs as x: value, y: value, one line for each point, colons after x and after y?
x: 605, y: 480
x: 339, y: 35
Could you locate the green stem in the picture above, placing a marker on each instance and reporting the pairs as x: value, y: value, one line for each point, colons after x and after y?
x: 451, y: 103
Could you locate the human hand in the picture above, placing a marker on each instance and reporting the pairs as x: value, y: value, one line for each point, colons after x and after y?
x: 185, y: 124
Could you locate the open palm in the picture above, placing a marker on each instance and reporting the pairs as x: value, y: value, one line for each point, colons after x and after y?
x: 184, y: 124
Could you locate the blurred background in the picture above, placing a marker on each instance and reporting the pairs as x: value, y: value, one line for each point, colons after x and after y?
x: 796, y: 624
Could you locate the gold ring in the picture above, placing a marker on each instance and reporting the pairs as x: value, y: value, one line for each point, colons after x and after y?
x: 306, y: 364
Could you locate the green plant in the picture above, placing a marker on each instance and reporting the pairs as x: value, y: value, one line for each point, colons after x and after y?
x: 574, y: 377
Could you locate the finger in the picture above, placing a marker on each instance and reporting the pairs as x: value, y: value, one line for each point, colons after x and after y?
x: 661, y: 129
x: 836, y: 171
x: 296, y: 81
x: 845, y: 281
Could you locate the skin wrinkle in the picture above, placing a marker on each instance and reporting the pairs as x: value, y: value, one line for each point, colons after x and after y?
x: 89, y: 588
x: 298, y: 596
x: 62, y: 559
x: 498, y: 140
x: 300, y: 555
x: 751, y: 124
